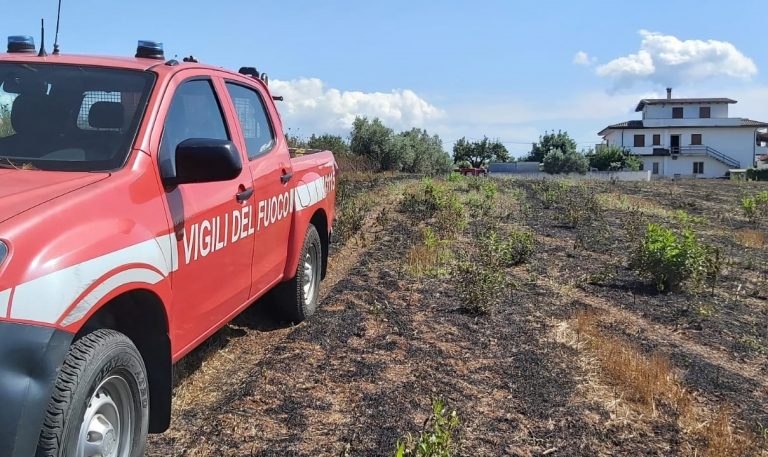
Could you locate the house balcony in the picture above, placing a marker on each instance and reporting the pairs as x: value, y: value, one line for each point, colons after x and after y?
x: 692, y: 150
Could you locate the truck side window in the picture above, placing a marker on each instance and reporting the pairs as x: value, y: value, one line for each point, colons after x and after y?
x: 254, y: 120
x: 194, y: 113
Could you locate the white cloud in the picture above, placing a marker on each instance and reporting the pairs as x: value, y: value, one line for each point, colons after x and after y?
x: 312, y: 107
x: 582, y: 58
x: 667, y: 60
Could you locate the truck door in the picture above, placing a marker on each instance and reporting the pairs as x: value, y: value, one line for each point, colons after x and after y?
x: 213, y: 222
x: 270, y: 166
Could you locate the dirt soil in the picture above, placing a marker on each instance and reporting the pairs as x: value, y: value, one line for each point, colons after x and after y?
x: 363, y: 371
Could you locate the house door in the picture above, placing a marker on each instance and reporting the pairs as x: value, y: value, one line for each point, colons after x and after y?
x: 674, y: 144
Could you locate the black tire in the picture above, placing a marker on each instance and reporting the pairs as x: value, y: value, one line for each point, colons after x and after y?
x: 295, y: 303
x: 106, y: 360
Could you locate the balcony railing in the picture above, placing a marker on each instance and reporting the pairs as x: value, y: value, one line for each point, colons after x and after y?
x: 708, y: 151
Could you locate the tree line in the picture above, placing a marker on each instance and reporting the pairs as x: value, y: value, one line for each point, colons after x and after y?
x: 410, y: 151
x: 416, y: 151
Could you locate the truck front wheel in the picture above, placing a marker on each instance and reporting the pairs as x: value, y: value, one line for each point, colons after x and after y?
x: 100, y: 403
x: 300, y: 295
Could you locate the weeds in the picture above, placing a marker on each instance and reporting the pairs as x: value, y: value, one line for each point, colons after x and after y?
x: 723, y: 440
x: 436, y: 438
x: 350, y: 217
x: 513, y: 249
x: 750, y: 238
x: 429, y: 258
x: 755, y: 208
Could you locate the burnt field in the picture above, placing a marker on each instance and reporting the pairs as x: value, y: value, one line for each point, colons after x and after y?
x: 532, y: 309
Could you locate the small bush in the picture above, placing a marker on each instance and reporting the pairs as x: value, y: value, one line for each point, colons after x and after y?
x: 548, y: 192
x: 577, y: 206
x: 451, y: 218
x: 756, y: 208
x: 350, y: 217
x: 437, y: 439
x: 480, y: 286
x: 514, y: 249
x: 670, y: 259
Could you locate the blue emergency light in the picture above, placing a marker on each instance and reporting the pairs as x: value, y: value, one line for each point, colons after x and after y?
x: 150, y: 50
x: 21, y: 43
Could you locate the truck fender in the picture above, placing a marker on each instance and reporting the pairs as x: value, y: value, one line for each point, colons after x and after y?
x: 65, y: 297
x: 310, y: 204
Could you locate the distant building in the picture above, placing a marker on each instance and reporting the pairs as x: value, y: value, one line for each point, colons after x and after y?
x: 684, y: 137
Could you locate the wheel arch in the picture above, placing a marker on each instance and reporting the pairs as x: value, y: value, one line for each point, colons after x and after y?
x: 141, y: 315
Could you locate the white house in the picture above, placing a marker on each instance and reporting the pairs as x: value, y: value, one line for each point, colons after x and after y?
x: 685, y: 137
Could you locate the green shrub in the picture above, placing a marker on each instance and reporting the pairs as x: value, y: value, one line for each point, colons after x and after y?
x: 756, y: 208
x: 557, y: 162
x: 437, y: 439
x: 670, y: 259
x: 480, y: 285
x: 613, y: 158
x: 450, y: 218
x: 514, y: 249
x: 548, y: 192
x: 757, y: 174
x: 577, y: 206
x: 456, y: 177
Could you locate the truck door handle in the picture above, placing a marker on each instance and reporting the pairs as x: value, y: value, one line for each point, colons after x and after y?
x: 286, y: 177
x: 244, y: 195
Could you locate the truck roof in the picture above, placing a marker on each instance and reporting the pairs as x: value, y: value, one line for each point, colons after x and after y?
x: 129, y: 63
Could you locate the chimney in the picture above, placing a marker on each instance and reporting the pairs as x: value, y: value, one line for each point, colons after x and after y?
x: 669, y: 93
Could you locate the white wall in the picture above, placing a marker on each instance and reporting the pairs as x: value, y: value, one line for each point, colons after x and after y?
x: 590, y: 175
x: 737, y: 143
x: 664, y: 111
x: 683, y: 165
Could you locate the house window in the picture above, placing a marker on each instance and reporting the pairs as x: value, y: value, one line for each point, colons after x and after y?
x: 677, y: 113
x: 657, y: 140
x: 704, y: 112
x: 696, y: 139
x: 655, y: 168
x: 698, y: 168
x: 639, y: 141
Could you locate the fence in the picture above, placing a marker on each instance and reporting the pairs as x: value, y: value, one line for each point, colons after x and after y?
x: 590, y: 175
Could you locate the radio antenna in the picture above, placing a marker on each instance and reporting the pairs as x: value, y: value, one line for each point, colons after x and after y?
x: 42, y: 52
x: 56, y: 37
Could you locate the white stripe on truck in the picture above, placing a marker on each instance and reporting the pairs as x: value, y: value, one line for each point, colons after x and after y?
x: 4, y: 297
x: 45, y: 299
x: 132, y: 276
x: 309, y: 194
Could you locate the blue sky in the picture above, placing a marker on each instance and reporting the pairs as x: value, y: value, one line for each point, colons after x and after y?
x: 505, y: 69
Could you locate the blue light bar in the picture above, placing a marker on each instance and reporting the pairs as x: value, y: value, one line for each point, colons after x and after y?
x: 150, y: 50
x: 21, y: 43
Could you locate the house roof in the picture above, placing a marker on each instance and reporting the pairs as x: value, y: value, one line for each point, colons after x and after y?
x: 680, y: 101
x: 637, y: 124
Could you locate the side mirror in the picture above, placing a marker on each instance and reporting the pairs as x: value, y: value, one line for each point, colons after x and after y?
x: 201, y: 160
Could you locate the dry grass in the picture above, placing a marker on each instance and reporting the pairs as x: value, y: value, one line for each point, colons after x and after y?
x: 422, y: 259
x: 725, y: 441
x: 650, y: 381
x: 750, y: 238
x: 624, y: 202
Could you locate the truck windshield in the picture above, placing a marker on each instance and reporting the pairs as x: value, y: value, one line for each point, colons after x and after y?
x: 69, y: 117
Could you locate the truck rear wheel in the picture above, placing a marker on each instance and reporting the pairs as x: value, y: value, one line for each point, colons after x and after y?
x: 299, y: 296
x: 100, y: 403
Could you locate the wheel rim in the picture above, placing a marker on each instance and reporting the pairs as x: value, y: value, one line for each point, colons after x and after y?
x: 107, y: 425
x: 311, y: 274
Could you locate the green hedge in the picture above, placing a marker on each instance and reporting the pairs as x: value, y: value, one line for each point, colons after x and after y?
x: 757, y: 174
